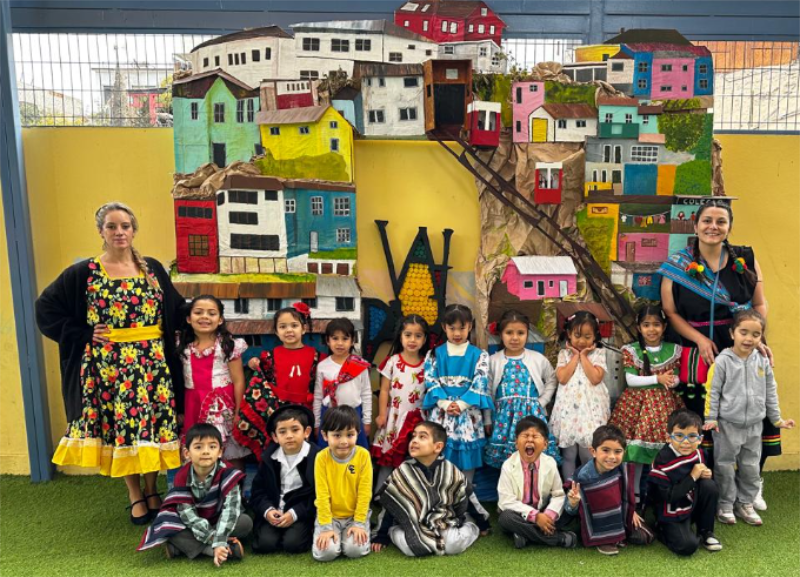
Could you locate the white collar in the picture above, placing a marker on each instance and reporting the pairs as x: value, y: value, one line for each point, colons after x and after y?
x: 280, y: 456
x: 457, y: 350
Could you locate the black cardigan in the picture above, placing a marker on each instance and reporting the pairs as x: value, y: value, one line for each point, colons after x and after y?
x: 266, y: 490
x: 61, y: 316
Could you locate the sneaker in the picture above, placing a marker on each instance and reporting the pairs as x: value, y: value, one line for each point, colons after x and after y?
x: 747, y: 514
x: 608, y: 550
x: 710, y: 542
x: 568, y: 540
x: 759, y: 504
x: 236, y: 548
x: 726, y: 517
x: 520, y: 542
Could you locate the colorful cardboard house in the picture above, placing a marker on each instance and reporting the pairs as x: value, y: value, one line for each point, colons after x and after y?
x: 484, y: 123
x: 448, y: 91
x: 214, y: 120
x: 347, y: 101
x: 548, y: 182
x: 563, y: 123
x: 539, y: 277
x: 196, y: 236
x: 527, y: 97
x: 392, y: 102
x: 642, y: 278
x: 450, y: 20
x: 284, y: 94
x: 312, y: 142
x: 487, y: 57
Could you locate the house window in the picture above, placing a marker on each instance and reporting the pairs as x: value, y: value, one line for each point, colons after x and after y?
x: 666, y: 88
x: 274, y: 130
x: 406, y: 23
x: 449, y: 50
x: 645, y: 119
x: 603, y: 176
x: 617, y: 154
x: 311, y: 44
x: 345, y: 304
x: 408, y: 114
x: 316, y: 206
x: 703, y: 83
x: 205, y: 62
x: 528, y: 284
x: 444, y: 25
x: 198, y: 245
x: 395, y: 57
x: 243, y: 218
x: 628, y: 118
x: 244, y: 58
x: 481, y: 28
x: 483, y: 51
x: 216, y: 61
x: 333, y: 124
x: 540, y: 288
x: 412, y: 46
x: 334, y: 145
x: 255, y: 242
x: 363, y: 45
x: 471, y: 28
x: 369, y: 81
x: 274, y: 305
x: 594, y: 176
x: 453, y: 27
x: 551, y: 284
x: 251, y: 111
x: 243, y: 196
x: 642, y: 84
x: 309, y: 75
x: 219, y: 112
x: 255, y: 55
x: 685, y: 68
x: 666, y: 68
x: 304, y: 130
x: 424, y: 25
x: 195, y: 212
x: 684, y: 88
x: 616, y: 176
x: 376, y: 117
x: 644, y: 67
x: 230, y: 59
x: 290, y: 206
x: 341, y: 206
x: 644, y: 154
x: 607, y: 153
x: 240, y: 111
x: 491, y: 30
x: 381, y: 81
x: 271, y: 195
x: 267, y: 53
x: 580, y: 124
x: 617, y: 66
x: 195, y: 108
x: 609, y: 118
x: 241, y: 306
x: 562, y: 123
x: 220, y: 199
x: 702, y: 68
x: 342, y: 235
x: 484, y: 12
x: 649, y: 243
x: 340, y: 45
x: 236, y: 58
x: 428, y: 52
x: 519, y: 126
x: 411, y: 82
x: 533, y: 88
x: 310, y: 303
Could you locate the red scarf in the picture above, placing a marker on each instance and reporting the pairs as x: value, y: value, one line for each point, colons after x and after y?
x: 352, y: 367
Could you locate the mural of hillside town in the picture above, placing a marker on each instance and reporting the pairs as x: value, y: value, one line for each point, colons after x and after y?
x: 265, y: 122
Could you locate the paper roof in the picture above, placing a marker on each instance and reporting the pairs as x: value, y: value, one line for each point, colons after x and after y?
x: 246, y: 34
x: 648, y: 35
x: 449, y: 8
x: 570, y: 110
x: 291, y: 115
x: 544, y: 265
x: 366, y: 26
x: 337, y: 286
x: 371, y: 69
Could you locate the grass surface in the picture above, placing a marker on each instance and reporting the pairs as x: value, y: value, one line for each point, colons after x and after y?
x: 78, y: 526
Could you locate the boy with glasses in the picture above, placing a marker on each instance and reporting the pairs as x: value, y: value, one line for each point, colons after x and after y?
x: 682, y: 490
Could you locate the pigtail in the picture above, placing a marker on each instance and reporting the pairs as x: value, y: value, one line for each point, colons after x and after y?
x: 645, y: 356
x: 142, y: 264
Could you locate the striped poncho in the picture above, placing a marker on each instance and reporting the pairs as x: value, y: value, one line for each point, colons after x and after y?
x: 425, y: 507
x: 607, y: 504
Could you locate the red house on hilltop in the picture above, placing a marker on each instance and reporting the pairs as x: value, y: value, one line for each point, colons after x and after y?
x: 450, y: 20
x: 196, y: 235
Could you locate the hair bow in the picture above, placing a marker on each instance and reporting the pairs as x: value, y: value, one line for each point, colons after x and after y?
x: 302, y: 308
x: 492, y: 328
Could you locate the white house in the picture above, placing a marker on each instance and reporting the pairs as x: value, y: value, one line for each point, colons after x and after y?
x: 252, y: 226
x: 392, y: 99
x: 563, y: 123
x: 620, y: 72
x: 337, y: 297
x: 487, y: 57
x: 324, y: 47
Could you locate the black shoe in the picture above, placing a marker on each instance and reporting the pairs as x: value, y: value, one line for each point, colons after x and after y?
x: 171, y: 551
x: 144, y: 519
x: 569, y: 540
x: 520, y: 542
x: 153, y: 512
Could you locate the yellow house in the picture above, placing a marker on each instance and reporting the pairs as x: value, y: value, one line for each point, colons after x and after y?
x: 311, y: 142
x: 610, y: 212
x: 595, y: 52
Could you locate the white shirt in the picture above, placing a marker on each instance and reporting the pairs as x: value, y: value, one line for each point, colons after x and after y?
x: 354, y: 393
x: 290, y: 476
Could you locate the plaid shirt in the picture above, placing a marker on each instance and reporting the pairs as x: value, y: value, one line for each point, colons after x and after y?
x: 201, y: 528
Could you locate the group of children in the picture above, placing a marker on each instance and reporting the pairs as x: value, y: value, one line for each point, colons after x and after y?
x: 441, y: 415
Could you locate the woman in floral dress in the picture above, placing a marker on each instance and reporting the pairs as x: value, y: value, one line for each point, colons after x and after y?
x: 113, y: 317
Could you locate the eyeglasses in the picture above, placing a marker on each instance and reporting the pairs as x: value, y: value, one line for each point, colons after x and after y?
x: 680, y: 437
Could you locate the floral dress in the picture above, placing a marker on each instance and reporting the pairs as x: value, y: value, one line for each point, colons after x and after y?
x: 516, y: 398
x: 407, y: 384
x: 127, y: 425
x: 580, y: 406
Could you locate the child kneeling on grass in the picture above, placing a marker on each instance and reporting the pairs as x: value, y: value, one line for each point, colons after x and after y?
x: 343, y: 477
x: 202, y: 514
x: 530, y: 492
x: 428, y: 498
x: 602, y: 493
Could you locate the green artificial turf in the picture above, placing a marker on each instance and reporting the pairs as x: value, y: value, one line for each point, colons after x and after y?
x: 78, y: 526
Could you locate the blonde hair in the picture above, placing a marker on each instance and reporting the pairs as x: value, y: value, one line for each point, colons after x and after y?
x: 100, y: 220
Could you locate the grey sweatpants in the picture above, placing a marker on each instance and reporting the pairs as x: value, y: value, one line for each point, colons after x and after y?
x: 737, y: 453
x: 187, y: 543
x: 456, y: 539
x: 342, y: 545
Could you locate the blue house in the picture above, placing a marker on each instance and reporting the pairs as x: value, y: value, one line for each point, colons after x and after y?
x: 703, y: 76
x: 348, y: 102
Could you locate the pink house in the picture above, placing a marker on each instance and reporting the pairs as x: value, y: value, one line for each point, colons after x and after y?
x: 643, y: 246
x: 538, y: 277
x: 672, y: 78
x: 526, y: 97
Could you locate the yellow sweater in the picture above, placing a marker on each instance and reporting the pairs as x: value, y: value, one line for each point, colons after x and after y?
x: 343, y: 489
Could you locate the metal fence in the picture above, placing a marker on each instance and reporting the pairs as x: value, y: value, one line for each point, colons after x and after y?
x: 525, y: 53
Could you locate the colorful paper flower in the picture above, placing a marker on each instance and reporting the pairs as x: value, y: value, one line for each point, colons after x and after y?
x: 739, y: 265
x: 695, y: 270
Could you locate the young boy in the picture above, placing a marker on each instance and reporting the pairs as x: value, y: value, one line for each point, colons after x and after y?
x: 681, y: 488
x: 428, y: 498
x: 530, y: 493
x: 282, y: 496
x: 343, y: 477
x: 202, y: 513
x: 603, y: 493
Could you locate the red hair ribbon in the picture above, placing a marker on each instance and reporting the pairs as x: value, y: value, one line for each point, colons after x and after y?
x: 302, y: 308
x: 492, y: 328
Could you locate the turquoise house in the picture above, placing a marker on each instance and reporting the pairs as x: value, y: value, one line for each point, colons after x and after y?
x: 626, y: 118
x: 214, y: 120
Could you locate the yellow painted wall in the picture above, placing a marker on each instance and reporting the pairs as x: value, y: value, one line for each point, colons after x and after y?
x: 595, y: 52
x: 72, y: 171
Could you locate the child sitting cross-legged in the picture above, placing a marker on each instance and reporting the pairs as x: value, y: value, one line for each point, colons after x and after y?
x: 343, y: 477
x: 282, y: 497
x: 682, y: 489
x: 202, y: 514
x: 530, y: 492
x: 426, y: 500
x: 602, y: 493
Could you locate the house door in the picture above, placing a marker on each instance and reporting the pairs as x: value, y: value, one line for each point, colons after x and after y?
x: 313, y: 241
x: 539, y: 130
x: 219, y: 154
x: 630, y: 252
x: 562, y: 288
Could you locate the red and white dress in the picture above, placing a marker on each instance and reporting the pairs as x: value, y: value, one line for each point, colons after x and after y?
x: 407, y: 386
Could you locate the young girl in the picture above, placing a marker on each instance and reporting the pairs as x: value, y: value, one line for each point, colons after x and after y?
x: 284, y: 376
x: 743, y: 392
x: 522, y: 382
x: 343, y: 379
x: 651, y: 369
x: 213, y: 373
x: 457, y: 390
x: 400, y: 399
x: 582, y: 401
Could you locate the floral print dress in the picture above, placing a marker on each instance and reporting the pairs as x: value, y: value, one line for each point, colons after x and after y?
x: 127, y: 425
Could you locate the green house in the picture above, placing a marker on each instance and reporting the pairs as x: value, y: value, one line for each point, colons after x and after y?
x: 214, y: 120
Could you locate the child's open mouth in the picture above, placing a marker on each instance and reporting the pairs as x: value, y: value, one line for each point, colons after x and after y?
x: 530, y: 451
